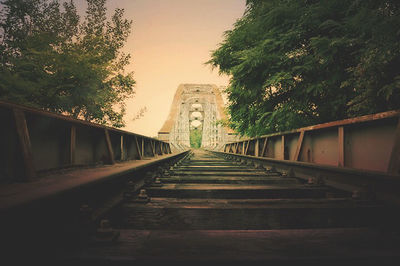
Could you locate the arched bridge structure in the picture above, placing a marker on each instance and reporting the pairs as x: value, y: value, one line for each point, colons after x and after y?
x: 196, y: 107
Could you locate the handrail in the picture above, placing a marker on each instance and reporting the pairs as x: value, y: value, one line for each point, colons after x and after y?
x: 370, y: 142
x: 34, y: 141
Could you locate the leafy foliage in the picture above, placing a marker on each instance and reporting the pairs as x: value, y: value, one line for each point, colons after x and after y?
x: 50, y: 59
x: 294, y: 63
x: 195, y: 138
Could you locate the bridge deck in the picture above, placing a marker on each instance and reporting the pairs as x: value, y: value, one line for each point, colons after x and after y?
x: 192, y: 217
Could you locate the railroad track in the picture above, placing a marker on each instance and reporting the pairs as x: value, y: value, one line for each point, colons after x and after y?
x: 216, y: 207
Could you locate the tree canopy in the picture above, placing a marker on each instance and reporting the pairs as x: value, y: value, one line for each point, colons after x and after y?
x: 293, y: 63
x: 51, y: 59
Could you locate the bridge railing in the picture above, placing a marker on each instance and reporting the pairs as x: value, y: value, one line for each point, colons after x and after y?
x: 370, y: 142
x: 33, y: 141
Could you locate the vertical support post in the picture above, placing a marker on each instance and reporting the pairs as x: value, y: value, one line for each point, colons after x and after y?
x: 257, y: 148
x: 122, y: 148
x: 298, y: 148
x: 394, y: 162
x: 341, y: 146
x: 283, y: 147
x: 72, y: 145
x: 109, y: 147
x: 138, y: 148
x: 160, y: 147
x: 142, y: 147
x: 153, y: 148
x: 24, y: 144
x: 247, y: 147
x: 264, y: 147
x: 243, y: 146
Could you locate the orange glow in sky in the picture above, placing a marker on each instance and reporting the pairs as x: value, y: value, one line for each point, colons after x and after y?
x: 169, y: 44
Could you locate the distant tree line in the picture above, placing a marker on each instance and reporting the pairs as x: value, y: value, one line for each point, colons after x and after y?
x: 50, y: 58
x: 294, y: 63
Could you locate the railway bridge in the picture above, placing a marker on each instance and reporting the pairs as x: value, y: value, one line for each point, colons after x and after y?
x: 78, y: 193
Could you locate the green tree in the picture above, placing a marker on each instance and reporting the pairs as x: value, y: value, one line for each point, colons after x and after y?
x: 52, y: 60
x: 195, y: 138
x: 294, y: 63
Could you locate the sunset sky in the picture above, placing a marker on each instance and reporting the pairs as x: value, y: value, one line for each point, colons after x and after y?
x: 169, y: 44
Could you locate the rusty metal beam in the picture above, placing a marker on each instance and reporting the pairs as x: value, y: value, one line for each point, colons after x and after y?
x: 394, y: 161
x: 264, y: 146
x: 256, y: 148
x: 369, y: 143
x: 56, y: 141
x: 138, y: 148
x: 153, y: 148
x: 24, y: 144
x: 247, y: 147
x: 109, y: 147
x: 350, y: 121
x: 122, y: 147
x: 142, y: 147
x: 299, y: 144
